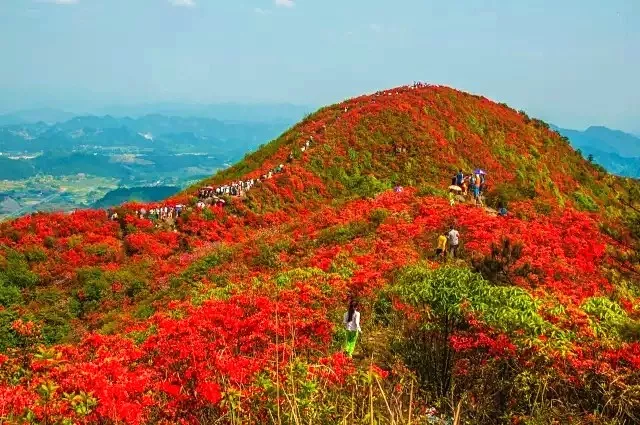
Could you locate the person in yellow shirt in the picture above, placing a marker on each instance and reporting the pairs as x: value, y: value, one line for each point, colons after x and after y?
x: 441, y: 249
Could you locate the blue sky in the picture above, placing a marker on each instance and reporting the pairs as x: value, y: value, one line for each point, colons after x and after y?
x: 573, y: 63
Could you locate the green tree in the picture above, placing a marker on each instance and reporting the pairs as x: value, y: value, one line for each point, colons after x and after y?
x: 444, y: 297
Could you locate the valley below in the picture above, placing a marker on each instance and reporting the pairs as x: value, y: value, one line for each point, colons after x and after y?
x: 80, y: 162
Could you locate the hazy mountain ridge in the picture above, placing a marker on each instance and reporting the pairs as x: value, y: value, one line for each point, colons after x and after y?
x: 617, y: 151
x: 136, y: 132
x: 147, y: 151
x: 29, y: 116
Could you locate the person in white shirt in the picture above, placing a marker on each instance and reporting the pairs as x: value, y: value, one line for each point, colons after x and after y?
x: 351, y: 321
x: 453, y: 237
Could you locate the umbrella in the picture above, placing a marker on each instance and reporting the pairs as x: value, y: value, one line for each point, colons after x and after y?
x: 479, y: 171
x: 456, y: 188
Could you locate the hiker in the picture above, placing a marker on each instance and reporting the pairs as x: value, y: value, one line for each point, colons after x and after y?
x: 465, y: 185
x: 441, y: 248
x: 483, y: 184
x: 351, y: 322
x: 398, y: 189
x: 459, y: 178
x: 476, y: 189
x: 453, y: 237
x: 502, y: 212
x: 453, y: 180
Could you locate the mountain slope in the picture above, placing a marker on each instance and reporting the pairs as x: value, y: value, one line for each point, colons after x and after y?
x: 233, y: 314
x: 441, y: 130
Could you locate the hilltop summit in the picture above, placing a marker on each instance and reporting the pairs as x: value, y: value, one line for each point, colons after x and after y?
x: 229, y: 307
x: 420, y: 136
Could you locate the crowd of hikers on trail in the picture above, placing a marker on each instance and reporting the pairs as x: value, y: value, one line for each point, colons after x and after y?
x: 241, y: 187
x: 163, y: 212
x: 463, y: 184
x: 474, y: 184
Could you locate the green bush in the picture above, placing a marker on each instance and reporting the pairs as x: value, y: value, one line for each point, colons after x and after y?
x: 94, y: 283
x: 343, y: 233
x: 444, y: 290
x: 100, y: 250
x: 199, y: 268
x: 54, y: 314
x: 35, y: 255
x: 208, y: 214
x: 16, y: 271
x: 134, y: 279
x: 144, y: 311
x: 378, y: 216
x: 55, y: 327
x: 429, y: 190
x: 607, y: 318
x: 8, y: 338
x: 267, y: 256
x: 501, y: 196
x: 585, y: 202
x: 9, y: 295
x: 367, y: 186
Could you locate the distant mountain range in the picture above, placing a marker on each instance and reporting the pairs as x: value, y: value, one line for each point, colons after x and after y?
x: 230, y: 112
x: 45, y: 115
x: 257, y: 112
x: 157, y: 132
x: 76, y: 162
x: 617, y: 151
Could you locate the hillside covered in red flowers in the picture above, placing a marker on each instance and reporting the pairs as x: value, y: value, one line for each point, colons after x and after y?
x: 233, y: 314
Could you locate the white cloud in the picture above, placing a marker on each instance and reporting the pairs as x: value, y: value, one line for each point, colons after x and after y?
x: 183, y: 3
x: 375, y: 27
x: 63, y: 2
x: 261, y: 11
x: 285, y: 3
